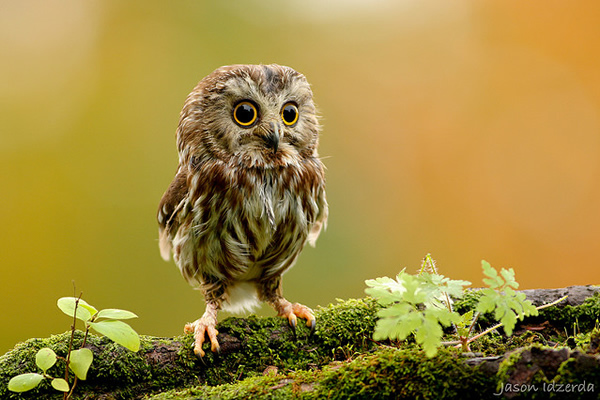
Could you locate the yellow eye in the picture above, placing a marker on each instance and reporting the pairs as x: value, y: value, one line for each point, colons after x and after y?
x: 245, y: 114
x: 290, y: 114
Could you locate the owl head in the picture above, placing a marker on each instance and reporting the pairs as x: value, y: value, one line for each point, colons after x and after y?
x: 249, y: 115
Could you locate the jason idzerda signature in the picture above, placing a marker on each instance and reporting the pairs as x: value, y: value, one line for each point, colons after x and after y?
x: 546, y: 387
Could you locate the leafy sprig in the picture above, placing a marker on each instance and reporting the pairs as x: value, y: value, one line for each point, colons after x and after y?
x: 421, y: 305
x: 107, y: 322
x: 415, y: 304
x: 500, y: 297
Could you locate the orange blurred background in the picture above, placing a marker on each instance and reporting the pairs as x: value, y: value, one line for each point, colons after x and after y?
x: 467, y: 129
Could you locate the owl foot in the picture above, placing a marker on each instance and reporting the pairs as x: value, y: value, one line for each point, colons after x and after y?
x: 199, y: 328
x: 296, y: 311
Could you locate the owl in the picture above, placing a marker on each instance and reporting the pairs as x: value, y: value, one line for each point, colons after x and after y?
x: 248, y: 194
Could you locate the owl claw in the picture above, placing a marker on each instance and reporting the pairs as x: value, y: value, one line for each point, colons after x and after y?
x: 312, y: 324
x: 300, y: 311
x: 199, y: 328
x: 292, y: 321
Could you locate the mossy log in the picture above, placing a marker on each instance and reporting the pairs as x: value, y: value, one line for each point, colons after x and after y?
x: 263, y: 358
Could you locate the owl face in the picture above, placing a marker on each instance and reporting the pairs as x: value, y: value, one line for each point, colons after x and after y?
x: 252, y: 115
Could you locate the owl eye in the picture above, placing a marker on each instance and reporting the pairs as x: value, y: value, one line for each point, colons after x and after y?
x: 245, y: 114
x: 289, y: 114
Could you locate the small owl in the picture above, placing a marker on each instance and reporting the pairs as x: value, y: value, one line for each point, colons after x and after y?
x: 248, y: 194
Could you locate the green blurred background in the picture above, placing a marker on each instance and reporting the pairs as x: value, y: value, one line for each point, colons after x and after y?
x: 468, y: 129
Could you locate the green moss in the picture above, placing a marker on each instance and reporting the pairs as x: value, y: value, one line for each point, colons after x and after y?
x: 592, y: 342
x: 22, y: 359
x: 409, y: 374
x: 114, y: 369
x: 539, y: 372
x: 259, y: 387
x: 561, y: 316
x: 339, y: 360
x: 584, y: 315
x: 249, y: 346
x: 494, y: 344
x: 384, y: 374
x: 468, y: 302
x: 579, y: 369
x: 348, y: 325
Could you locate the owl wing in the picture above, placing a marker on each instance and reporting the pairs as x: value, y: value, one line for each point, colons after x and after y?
x: 170, y: 212
x: 321, y: 218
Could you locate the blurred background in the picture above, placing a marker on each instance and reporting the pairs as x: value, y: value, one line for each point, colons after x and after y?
x: 468, y: 129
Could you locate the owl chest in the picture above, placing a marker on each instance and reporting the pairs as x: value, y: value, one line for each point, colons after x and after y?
x: 268, y: 204
x: 269, y: 210
x: 250, y: 220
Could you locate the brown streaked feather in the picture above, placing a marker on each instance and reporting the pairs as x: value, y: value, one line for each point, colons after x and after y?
x: 320, y: 222
x: 170, y: 210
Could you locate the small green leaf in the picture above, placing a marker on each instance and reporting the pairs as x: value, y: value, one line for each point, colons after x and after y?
x: 488, y: 270
x: 463, y: 325
x: 509, y: 320
x: 383, y: 282
x: 385, y: 290
x: 386, y: 329
x: 119, y: 332
x: 84, y: 310
x: 509, y: 277
x: 508, y: 291
x: 494, y: 281
x: 45, y: 359
x: 88, y: 307
x: 114, y: 313
x: 395, y: 310
x: 529, y: 308
x: 80, y: 361
x: 24, y: 382
x: 60, y: 384
x: 444, y: 316
x: 487, y: 302
x: 456, y: 288
x: 501, y: 298
x: 429, y: 335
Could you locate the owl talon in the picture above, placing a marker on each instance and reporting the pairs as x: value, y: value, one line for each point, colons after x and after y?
x: 292, y: 321
x: 312, y: 324
x: 199, y: 328
x: 299, y: 311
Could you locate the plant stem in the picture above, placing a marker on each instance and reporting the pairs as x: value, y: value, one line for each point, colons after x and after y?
x: 87, y: 331
x: 428, y: 262
x: 460, y: 343
x: 472, y: 339
x: 475, y: 318
x: 76, y: 379
x: 552, y: 304
x: 68, y: 358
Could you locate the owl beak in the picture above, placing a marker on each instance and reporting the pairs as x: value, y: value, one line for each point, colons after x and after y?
x: 272, y: 138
